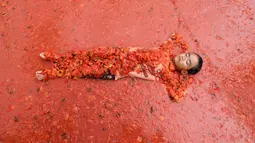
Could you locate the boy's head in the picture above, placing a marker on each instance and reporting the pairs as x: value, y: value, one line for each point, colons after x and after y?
x: 190, y: 62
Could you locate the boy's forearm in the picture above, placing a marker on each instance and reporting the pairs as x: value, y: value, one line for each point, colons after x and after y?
x: 142, y: 76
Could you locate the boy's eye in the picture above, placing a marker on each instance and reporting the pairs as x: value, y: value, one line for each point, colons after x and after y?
x: 188, y: 62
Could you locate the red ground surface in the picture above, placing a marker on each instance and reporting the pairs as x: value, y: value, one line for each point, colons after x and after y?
x: 220, y: 103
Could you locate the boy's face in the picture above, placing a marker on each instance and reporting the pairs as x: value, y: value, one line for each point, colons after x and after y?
x: 186, y: 61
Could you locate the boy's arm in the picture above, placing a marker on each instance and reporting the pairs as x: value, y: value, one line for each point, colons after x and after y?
x: 142, y: 72
x: 142, y: 76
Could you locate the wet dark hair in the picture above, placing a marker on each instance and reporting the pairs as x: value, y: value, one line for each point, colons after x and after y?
x: 198, y: 67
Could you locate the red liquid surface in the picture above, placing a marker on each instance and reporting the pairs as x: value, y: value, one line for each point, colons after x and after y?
x: 219, y: 105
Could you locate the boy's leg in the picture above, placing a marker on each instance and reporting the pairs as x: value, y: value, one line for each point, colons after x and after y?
x: 48, y: 74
